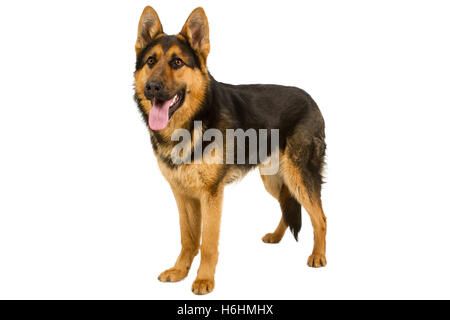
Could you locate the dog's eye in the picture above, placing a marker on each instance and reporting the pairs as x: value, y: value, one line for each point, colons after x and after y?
x: 151, y: 61
x: 177, y: 63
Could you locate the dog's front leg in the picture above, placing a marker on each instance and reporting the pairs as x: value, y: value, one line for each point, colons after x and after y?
x: 190, y: 228
x: 211, y: 208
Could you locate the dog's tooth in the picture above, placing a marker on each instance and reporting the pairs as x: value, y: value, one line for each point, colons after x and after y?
x: 174, y: 100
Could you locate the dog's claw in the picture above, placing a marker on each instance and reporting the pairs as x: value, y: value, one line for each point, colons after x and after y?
x: 317, y: 261
x: 202, y: 286
x: 172, y: 275
x: 271, y: 238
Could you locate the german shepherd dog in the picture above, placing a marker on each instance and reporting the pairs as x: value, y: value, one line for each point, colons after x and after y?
x: 173, y: 88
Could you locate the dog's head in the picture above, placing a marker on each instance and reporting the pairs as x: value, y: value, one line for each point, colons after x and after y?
x: 171, y: 75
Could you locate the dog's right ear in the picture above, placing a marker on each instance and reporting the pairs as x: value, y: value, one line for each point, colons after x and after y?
x: 149, y: 27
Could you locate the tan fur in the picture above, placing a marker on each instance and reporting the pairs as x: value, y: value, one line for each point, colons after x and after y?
x: 193, y: 177
x: 313, y: 205
x: 211, y: 204
x: 273, y: 185
x: 290, y: 176
x: 190, y: 228
x: 199, y: 201
x: 277, y: 235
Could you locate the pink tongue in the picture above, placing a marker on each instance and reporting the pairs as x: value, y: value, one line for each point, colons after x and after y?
x: 159, y: 115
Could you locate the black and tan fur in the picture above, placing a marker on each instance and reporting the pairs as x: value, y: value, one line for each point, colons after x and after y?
x: 198, y: 188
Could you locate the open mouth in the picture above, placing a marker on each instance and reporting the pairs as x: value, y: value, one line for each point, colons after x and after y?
x: 161, y: 111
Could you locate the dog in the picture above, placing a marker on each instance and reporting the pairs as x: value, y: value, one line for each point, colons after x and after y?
x: 174, y: 90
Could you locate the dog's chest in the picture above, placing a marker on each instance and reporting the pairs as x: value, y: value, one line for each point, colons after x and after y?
x: 191, y: 177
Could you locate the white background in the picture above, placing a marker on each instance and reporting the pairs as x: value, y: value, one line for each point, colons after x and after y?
x: 85, y: 213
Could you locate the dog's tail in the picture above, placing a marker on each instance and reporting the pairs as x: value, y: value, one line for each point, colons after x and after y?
x: 292, y: 212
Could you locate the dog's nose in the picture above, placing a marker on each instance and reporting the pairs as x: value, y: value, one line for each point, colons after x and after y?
x: 153, y: 87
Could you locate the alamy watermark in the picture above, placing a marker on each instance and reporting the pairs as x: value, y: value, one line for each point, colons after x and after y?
x: 237, y: 150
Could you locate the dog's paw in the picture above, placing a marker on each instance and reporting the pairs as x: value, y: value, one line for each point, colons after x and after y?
x: 317, y: 260
x: 271, y: 238
x: 203, y: 286
x: 172, y: 275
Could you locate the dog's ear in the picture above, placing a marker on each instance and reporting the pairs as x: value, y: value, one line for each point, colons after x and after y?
x: 196, y: 30
x: 149, y: 27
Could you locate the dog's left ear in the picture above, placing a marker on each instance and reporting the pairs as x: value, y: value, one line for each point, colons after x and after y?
x: 196, y: 30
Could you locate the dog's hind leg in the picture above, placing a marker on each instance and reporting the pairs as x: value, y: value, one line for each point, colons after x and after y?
x: 277, y: 235
x: 302, y: 168
x: 273, y: 185
x: 190, y: 227
x: 291, y: 209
